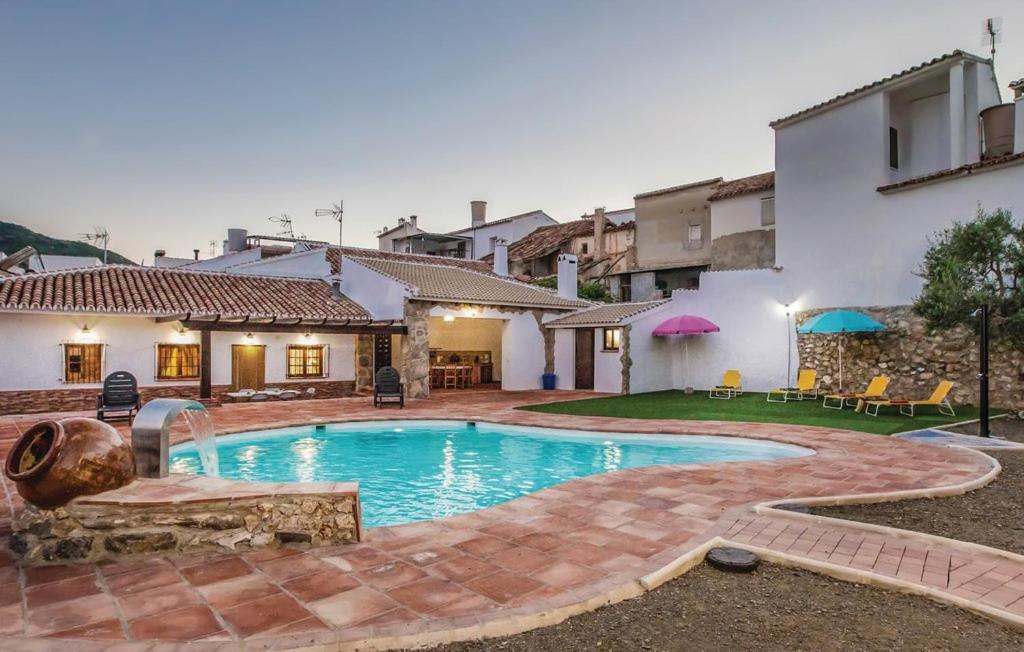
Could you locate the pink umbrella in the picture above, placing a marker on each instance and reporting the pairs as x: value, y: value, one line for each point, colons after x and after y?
x: 686, y: 325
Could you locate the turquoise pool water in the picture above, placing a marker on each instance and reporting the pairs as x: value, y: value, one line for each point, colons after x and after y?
x: 422, y: 470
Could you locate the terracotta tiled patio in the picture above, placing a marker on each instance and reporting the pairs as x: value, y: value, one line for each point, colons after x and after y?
x: 532, y: 561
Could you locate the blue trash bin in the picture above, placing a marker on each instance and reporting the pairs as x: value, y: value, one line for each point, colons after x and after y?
x: 549, y: 381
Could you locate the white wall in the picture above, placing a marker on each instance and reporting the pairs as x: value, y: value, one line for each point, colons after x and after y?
x: 847, y: 243
x: 306, y: 264
x: 510, y: 231
x: 738, y: 214
x: 565, y: 358
x: 220, y: 263
x: 382, y: 297
x: 31, y: 351
x: 607, y: 366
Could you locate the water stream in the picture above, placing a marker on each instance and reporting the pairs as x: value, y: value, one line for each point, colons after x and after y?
x: 206, y: 445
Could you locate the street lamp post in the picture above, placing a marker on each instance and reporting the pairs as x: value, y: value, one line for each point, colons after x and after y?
x: 983, y: 428
x: 789, y: 351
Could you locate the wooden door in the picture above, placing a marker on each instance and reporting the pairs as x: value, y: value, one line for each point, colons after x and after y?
x: 584, y: 358
x: 248, y: 366
x: 381, y: 351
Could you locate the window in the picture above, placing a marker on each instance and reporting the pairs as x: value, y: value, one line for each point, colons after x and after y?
x: 306, y: 361
x: 894, y: 148
x: 177, y: 361
x: 625, y: 288
x: 612, y: 338
x: 768, y: 211
x: 83, y: 363
x: 583, y: 248
x: 696, y: 234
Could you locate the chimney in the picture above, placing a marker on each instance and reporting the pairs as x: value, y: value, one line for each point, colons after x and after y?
x: 1018, y: 116
x: 195, y: 254
x: 599, y: 224
x: 159, y: 253
x: 478, y: 212
x: 567, y: 266
x: 501, y: 257
x: 236, y: 240
x: 412, y: 220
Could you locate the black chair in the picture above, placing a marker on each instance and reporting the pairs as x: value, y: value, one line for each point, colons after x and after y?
x: 120, y: 394
x: 388, y: 387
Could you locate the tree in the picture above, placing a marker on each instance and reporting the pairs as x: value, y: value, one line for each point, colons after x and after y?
x: 971, y: 264
x: 590, y: 290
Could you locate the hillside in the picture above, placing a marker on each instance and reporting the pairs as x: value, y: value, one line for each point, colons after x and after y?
x: 14, y: 236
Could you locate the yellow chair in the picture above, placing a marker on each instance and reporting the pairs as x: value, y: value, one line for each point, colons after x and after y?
x: 875, y: 390
x: 939, y: 398
x: 806, y: 387
x: 730, y: 386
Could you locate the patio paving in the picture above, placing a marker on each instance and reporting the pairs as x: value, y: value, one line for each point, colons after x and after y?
x: 532, y: 561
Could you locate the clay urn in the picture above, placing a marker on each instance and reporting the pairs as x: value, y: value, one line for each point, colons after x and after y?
x: 56, y: 461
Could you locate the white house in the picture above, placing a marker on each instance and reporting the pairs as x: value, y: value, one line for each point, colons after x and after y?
x: 861, y: 181
x: 474, y: 242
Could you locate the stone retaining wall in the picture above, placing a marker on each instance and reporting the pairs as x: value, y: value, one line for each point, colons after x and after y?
x: 914, y: 359
x: 67, y: 399
x: 108, y: 526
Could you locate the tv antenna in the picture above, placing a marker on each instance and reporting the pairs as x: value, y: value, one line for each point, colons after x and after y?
x: 992, y: 33
x: 284, y: 221
x: 98, y: 237
x: 336, y: 211
x: 213, y: 248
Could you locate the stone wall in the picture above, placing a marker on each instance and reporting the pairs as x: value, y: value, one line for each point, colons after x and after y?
x: 624, y: 356
x: 914, y: 359
x: 416, y: 349
x: 86, y: 531
x: 73, y: 399
x: 744, y: 250
x: 364, y: 362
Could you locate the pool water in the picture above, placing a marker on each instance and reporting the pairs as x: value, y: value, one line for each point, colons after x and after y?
x: 422, y: 470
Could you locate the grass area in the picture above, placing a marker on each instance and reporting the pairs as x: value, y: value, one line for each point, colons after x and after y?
x: 750, y: 407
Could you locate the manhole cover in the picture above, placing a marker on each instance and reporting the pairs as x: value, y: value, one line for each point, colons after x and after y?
x: 734, y: 560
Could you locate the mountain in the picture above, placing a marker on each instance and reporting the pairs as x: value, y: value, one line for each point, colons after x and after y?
x: 14, y: 236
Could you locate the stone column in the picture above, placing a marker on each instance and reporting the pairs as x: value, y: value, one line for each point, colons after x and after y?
x: 416, y: 350
x: 364, y: 362
x: 549, y: 342
x: 627, y: 361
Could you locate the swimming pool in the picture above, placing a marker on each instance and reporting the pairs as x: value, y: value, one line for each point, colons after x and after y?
x: 422, y: 470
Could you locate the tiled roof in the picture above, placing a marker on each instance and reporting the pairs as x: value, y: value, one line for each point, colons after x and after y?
x: 610, y: 314
x: 963, y: 170
x: 446, y: 283
x: 503, y: 220
x: 736, y: 187
x: 548, y: 239
x: 685, y: 186
x: 126, y: 289
x: 335, y: 253
x: 1018, y: 83
x: 875, y: 85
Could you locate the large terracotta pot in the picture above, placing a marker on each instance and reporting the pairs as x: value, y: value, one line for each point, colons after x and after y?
x: 55, y: 461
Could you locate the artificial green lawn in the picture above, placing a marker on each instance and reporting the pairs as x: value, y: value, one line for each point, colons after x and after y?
x: 750, y: 407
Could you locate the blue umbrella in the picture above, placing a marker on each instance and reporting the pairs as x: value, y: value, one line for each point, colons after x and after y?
x: 840, y: 321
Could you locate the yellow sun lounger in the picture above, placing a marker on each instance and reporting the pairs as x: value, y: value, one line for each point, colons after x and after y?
x: 875, y: 391
x: 806, y: 387
x: 939, y: 398
x: 730, y: 385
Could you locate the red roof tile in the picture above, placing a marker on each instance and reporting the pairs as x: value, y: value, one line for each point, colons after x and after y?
x: 685, y: 186
x: 736, y: 187
x: 335, y: 253
x: 963, y: 170
x: 160, y: 291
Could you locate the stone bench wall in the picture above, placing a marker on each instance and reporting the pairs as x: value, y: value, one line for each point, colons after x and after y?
x: 229, y: 515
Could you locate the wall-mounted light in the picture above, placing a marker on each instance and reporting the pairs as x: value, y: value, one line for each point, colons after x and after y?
x: 471, y: 313
x: 181, y: 334
x: 86, y: 335
x: 449, y: 318
x: 307, y: 335
x: 250, y: 336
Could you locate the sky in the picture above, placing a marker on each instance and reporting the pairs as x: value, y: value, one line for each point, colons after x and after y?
x: 169, y: 122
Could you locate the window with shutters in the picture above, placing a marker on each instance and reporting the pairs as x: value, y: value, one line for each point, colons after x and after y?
x: 83, y: 363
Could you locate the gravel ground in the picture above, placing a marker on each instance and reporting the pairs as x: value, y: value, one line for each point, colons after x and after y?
x: 774, y: 608
x: 992, y: 516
